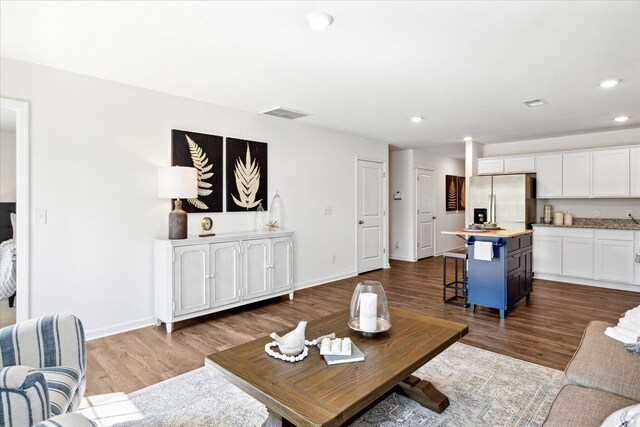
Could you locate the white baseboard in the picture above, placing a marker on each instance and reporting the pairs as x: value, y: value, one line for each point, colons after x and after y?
x: 588, y: 282
x: 402, y: 258
x: 119, y: 328
x: 323, y: 280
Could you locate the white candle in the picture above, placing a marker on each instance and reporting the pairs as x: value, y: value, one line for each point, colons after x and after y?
x: 368, y: 312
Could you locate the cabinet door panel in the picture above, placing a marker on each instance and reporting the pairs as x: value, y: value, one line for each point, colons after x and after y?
x: 281, y: 268
x: 549, y: 176
x: 576, y: 174
x: 225, y: 273
x: 490, y: 166
x: 192, y: 291
x: 256, y: 261
x: 577, y: 258
x: 547, y: 254
x: 611, y: 173
x: 634, y: 172
x: 519, y: 164
x: 615, y: 260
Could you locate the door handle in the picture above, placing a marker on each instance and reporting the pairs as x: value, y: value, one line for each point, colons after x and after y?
x: 361, y: 222
x: 433, y: 217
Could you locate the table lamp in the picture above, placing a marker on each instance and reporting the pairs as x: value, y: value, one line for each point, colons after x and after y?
x: 176, y: 182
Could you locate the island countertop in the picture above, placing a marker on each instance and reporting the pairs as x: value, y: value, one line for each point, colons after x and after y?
x: 491, y: 233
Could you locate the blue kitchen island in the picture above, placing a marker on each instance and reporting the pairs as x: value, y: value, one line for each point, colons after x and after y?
x: 499, y: 267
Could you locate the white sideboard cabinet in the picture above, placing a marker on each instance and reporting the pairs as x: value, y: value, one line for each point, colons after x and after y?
x: 198, y: 276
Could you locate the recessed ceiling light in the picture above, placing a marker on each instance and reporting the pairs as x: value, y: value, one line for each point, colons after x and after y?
x: 609, y: 83
x: 319, y: 20
x: 417, y: 119
x: 534, y: 102
x: 621, y: 119
x: 468, y: 139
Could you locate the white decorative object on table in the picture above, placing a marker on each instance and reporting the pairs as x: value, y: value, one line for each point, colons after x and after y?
x: 336, y: 347
x: 292, y: 336
x: 368, y: 312
x: 292, y: 343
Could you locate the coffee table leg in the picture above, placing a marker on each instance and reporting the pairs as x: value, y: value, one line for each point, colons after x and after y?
x: 275, y: 420
x: 424, y: 393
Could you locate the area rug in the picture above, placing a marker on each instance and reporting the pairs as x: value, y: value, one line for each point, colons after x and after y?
x: 484, y: 389
x: 7, y: 314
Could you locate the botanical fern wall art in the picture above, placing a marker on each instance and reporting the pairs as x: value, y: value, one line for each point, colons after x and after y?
x: 203, y: 152
x: 246, y: 172
x: 461, y: 193
x: 451, y: 193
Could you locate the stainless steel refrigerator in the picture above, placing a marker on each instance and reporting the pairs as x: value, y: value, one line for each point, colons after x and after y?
x: 509, y: 200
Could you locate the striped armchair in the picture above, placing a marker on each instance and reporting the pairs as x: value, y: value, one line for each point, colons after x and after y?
x: 43, y: 372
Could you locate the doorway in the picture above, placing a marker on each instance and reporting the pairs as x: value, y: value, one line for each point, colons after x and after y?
x: 14, y: 210
x: 425, y: 212
x: 371, y: 215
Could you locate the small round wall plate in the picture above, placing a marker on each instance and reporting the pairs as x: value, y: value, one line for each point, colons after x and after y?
x: 381, y: 324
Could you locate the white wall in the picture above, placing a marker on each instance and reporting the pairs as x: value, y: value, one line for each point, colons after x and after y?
x: 402, y: 178
x: 7, y: 166
x: 95, y: 147
x: 562, y: 143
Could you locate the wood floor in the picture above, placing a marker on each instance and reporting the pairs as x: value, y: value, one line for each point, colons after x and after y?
x: 546, y: 330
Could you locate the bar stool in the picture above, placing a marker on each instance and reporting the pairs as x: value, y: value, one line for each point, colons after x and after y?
x: 459, y: 286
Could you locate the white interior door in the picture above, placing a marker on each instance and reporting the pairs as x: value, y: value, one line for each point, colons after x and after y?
x: 425, y: 201
x: 370, y: 216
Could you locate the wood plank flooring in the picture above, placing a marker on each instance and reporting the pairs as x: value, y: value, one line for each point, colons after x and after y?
x: 546, y: 330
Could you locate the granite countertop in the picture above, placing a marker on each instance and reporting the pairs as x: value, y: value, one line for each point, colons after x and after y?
x: 600, y: 223
x: 490, y: 233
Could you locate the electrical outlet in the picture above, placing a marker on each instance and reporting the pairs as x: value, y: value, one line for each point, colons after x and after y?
x: 397, y: 244
x: 596, y: 213
x: 629, y: 212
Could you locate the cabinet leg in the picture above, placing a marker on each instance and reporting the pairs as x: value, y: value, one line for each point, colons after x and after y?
x: 169, y: 327
x: 502, y: 313
x: 290, y: 296
x: 158, y: 322
x: 528, y: 297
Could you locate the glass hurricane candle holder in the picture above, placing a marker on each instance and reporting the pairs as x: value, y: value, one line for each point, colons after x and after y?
x: 369, y: 312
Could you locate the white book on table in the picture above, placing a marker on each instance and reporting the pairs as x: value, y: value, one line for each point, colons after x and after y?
x: 355, y: 356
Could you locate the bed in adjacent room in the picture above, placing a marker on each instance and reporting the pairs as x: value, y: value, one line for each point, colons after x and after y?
x: 7, y: 252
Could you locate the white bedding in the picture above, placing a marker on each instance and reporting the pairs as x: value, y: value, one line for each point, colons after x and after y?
x: 7, y: 268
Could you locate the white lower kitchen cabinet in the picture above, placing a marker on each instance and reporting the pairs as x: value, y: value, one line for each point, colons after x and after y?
x: 547, y: 254
x: 615, y: 256
x: 587, y: 256
x: 577, y: 257
x: 198, y: 276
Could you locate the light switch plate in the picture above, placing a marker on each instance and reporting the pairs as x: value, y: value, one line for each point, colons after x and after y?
x: 39, y: 216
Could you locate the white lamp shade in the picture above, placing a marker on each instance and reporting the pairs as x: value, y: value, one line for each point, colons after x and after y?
x: 177, y: 182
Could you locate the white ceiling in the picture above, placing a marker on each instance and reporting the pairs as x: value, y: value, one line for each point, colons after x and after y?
x: 465, y: 66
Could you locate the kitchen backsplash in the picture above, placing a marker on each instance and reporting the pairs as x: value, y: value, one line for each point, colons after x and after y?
x: 591, y: 208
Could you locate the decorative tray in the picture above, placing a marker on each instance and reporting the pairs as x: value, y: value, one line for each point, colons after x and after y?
x: 481, y: 230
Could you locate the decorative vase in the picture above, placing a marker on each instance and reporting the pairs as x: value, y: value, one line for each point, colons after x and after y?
x: 177, y: 222
x: 369, y: 312
x: 276, y: 214
x: 258, y: 221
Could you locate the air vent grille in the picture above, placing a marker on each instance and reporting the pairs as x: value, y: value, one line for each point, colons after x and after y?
x: 534, y: 102
x: 285, y: 113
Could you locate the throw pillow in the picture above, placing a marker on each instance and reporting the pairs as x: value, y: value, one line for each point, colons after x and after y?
x: 625, y: 417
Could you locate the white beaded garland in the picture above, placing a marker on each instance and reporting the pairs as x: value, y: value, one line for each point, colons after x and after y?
x: 267, y: 349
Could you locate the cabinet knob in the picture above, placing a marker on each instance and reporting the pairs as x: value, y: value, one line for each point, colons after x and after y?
x: 361, y: 222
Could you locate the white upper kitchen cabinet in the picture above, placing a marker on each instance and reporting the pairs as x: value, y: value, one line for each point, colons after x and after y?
x: 519, y: 164
x: 634, y: 172
x: 576, y: 174
x: 490, y: 166
x: 548, y: 176
x: 611, y: 173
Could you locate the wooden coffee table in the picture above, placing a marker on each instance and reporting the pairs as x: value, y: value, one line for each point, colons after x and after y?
x: 311, y: 393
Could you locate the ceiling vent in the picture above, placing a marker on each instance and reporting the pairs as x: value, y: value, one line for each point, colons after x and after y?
x: 534, y: 102
x: 285, y: 113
